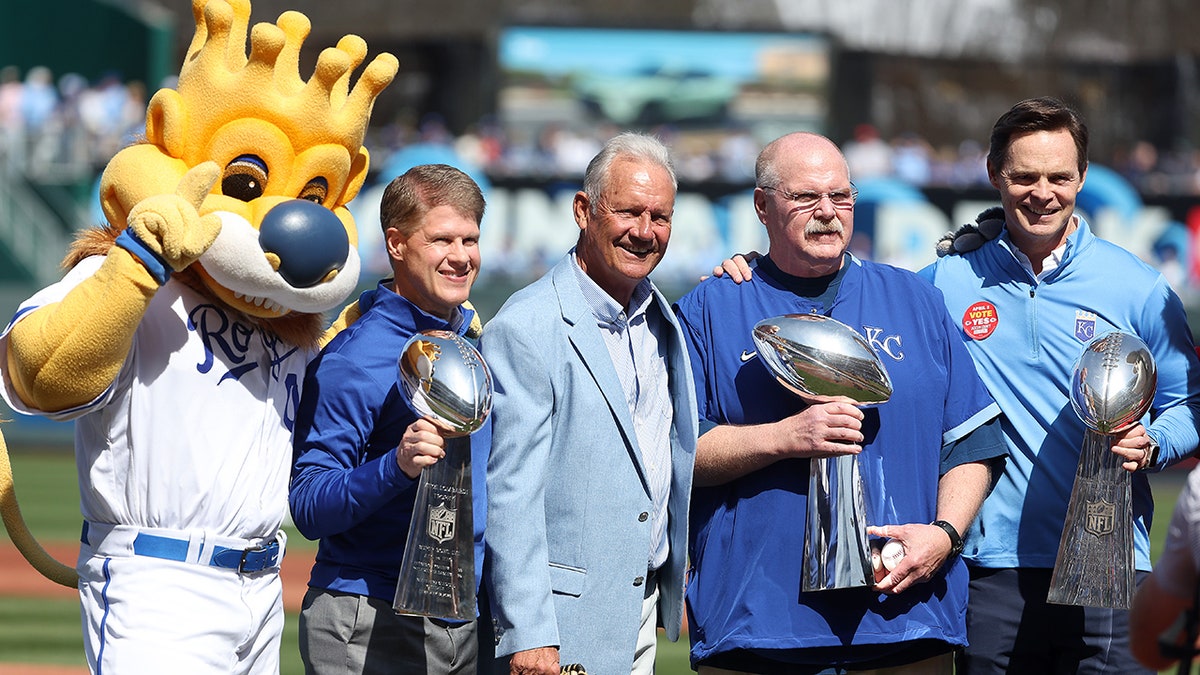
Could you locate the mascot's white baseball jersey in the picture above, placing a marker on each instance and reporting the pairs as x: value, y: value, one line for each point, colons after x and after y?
x: 182, y: 459
x: 179, y: 337
x: 204, y: 402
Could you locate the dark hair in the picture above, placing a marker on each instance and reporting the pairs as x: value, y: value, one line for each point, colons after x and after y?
x: 1037, y: 114
x: 423, y: 188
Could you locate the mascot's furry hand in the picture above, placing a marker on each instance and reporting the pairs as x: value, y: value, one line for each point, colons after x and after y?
x: 170, y: 226
x: 987, y: 226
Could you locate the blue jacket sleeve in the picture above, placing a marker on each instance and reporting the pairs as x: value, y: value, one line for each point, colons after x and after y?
x: 1174, y: 413
x: 688, y: 311
x: 333, y: 487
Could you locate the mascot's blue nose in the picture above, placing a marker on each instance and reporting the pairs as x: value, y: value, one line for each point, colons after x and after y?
x: 308, y: 238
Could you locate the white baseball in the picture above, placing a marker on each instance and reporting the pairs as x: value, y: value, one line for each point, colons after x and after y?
x: 892, y: 554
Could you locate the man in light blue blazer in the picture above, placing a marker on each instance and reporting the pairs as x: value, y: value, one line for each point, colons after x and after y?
x: 594, y: 434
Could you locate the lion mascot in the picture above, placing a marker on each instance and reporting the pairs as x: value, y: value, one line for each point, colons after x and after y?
x: 178, y: 339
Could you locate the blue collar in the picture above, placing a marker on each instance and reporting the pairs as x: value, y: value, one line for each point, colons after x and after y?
x: 402, y: 311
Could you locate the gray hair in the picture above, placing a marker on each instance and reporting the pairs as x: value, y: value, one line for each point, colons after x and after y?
x: 628, y: 144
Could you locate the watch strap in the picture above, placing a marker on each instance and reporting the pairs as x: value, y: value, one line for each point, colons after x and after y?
x: 956, y: 542
x: 1151, y: 455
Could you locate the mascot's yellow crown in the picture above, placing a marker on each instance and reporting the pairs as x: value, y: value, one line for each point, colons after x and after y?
x: 220, y: 83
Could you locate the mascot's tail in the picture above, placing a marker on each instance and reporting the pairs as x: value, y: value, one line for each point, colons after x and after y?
x: 21, y: 536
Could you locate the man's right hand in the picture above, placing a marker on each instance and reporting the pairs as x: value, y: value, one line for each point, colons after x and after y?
x: 824, y: 430
x: 729, y: 451
x: 539, y: 661
x: 421, y: 446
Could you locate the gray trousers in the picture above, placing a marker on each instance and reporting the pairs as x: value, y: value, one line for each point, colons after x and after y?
x: 346, y: 634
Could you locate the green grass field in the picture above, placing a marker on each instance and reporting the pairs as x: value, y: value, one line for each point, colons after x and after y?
x: 47, y: 631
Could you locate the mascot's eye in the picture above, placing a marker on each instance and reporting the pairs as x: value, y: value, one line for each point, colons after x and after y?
x: 245, y: 178
x: 315, y: 190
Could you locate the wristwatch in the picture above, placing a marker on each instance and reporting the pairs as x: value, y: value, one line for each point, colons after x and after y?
x: 1152, y: 454
x: 956, y: 542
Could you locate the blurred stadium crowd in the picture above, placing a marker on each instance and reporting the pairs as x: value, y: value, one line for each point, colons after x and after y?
x: 68, y: 124
x: 50, y: 125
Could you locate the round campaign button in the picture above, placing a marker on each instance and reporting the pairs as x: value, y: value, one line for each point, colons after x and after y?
x: 980, y: 319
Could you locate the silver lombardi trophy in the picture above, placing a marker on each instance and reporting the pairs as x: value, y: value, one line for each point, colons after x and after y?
x: 447, y: 381
x: 821, y: 359
x: 1112, y: 387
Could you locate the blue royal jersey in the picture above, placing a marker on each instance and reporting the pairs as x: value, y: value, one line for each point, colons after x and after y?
x: 747, y: 536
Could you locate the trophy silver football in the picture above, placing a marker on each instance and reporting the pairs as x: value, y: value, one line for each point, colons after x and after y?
x: 446, y: 381
x: 1113, y: 383
x: 821, y: 360
x: 1112, y: 387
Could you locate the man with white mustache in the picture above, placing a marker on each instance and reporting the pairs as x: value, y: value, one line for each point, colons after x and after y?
x: 1032, y: 284
x: 926, y: 455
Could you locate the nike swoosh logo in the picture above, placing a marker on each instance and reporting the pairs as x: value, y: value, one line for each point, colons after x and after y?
x: 746, y: 356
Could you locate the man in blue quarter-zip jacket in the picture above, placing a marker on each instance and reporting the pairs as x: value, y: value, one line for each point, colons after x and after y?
x: 1031, y: 285
x: 360, y: 447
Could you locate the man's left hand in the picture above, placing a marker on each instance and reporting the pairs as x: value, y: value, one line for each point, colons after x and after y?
x: 1133, y: 446
x: 926, y: 548
x: 736, y: 267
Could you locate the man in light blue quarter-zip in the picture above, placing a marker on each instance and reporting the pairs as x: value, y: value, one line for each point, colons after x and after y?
x: 1031, y: 284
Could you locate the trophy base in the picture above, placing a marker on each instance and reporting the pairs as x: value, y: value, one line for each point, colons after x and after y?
x: 1095, y: 567
x: 437, y: 574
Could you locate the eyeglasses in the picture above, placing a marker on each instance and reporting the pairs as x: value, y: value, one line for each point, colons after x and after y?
x: 807, y: 201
